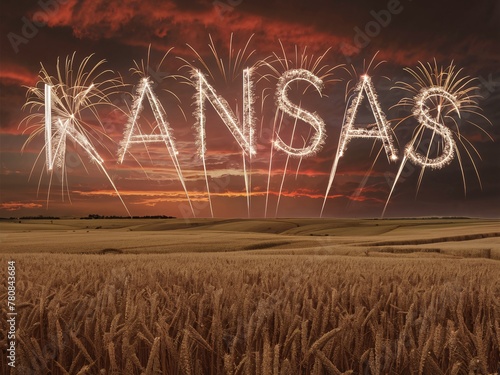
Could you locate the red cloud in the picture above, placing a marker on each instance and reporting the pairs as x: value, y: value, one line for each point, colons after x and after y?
x: 143, y: 23
x: 140, y: 23
x: 14, y: 206
x: 16, y: 75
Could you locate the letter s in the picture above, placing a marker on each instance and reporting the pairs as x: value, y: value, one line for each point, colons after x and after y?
x: 295, y: 111
x: 422, y: 112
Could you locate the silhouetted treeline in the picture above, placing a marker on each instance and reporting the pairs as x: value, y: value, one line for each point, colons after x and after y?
x: 39, y: 217
x: 96, y: 216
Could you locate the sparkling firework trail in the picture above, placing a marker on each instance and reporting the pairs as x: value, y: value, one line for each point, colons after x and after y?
x: 307, y: 70
x: 382, y: 131
x: 134, y: 135
x: 271, y: 152
x: 68, y: 101
x: 285, y: 105
x: 243, y: 133
x: 248, y: 125
x: 285, y: 168
x: 439, y: 97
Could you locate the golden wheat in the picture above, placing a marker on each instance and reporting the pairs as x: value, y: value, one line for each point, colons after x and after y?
x: 255, y: 314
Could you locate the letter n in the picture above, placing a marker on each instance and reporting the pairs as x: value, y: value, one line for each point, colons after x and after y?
x: 242, y: 134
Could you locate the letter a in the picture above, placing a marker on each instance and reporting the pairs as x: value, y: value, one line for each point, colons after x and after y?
x: 133, y: 132
x: 134, y: 135
x: 382, y: 131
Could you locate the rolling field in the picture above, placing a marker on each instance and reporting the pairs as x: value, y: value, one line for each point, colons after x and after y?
x: 287, y: 296
x: 446, y: 237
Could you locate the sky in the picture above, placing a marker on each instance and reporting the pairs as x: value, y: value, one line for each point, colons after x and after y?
x: 334, y: 39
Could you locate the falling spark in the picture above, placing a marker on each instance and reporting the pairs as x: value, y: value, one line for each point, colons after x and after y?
x: 284, y: 104
x: 243, y: 132
x: 68, y: 100
x: 439, y: 97
x: 382, y: 132
x: 271, y: 154
x: 249, y: 122
x: 421, y: 112
x: 286, y: 168
x: 308, y: 69
x: 133, y: 134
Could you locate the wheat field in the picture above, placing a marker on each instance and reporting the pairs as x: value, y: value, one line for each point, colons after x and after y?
x: 271, y: 309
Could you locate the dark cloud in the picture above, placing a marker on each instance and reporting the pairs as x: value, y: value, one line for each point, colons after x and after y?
x: 403, y: 32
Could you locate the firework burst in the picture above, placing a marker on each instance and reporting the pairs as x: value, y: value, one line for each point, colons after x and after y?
x: 243, y: 131
x: 378, y: 131
x: 440, y: 97
x: 160, y: 131
x: 306, y: 69
x: 64, y: 108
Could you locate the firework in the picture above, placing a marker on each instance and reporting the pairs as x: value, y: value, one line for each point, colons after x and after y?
x: 134, y: 135
x: 242, y: 131
x: 315, y: 74
x: 66, y: 108
x: 382, y: 132
x: 439, y: 96
x: 66, y: 111
x: 422, y: 113
x: 295, y: 111
x: 243, y: 134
